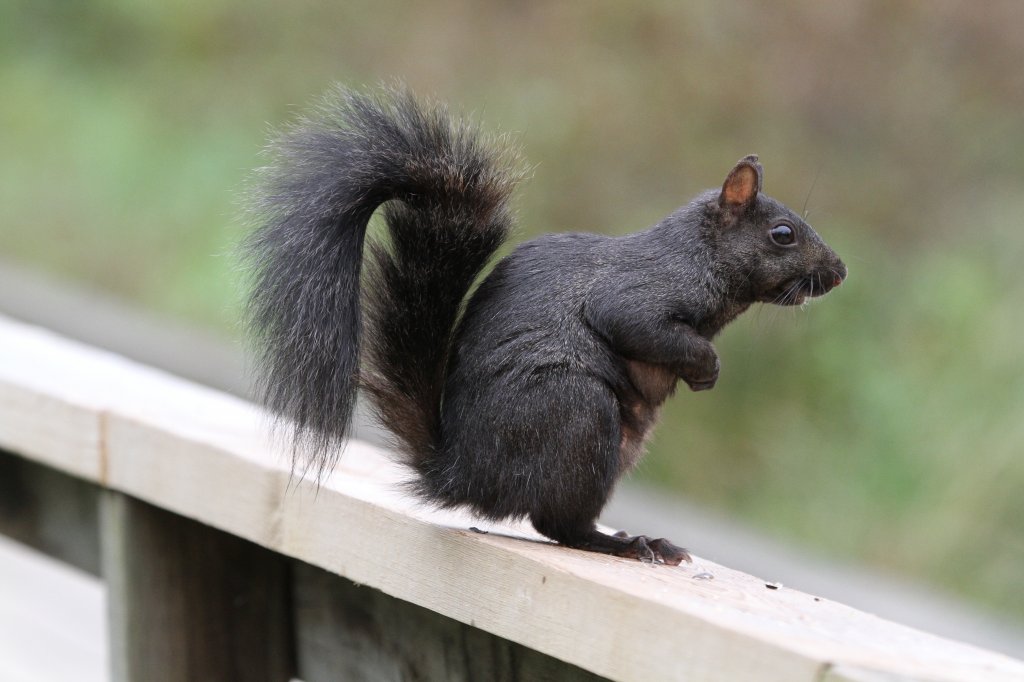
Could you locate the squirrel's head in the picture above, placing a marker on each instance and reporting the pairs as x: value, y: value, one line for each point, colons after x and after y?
x: 773, y: 255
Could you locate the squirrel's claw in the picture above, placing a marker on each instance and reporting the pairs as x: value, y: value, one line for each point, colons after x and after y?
x: 640, y: 547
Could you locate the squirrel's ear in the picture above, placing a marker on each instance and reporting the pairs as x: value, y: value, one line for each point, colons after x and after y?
x: 742, y: 184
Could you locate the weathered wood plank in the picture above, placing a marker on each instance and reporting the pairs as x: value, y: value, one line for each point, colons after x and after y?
x: 204, y: 455
x: 49, y: 400
x: 188, y: 602
x: 350, y: 632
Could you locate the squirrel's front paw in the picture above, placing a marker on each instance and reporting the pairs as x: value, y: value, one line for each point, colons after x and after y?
x: 703, y: 378
x: 701, y: 385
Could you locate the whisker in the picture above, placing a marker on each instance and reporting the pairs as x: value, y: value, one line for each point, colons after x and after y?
x: 796, y: 291
x: 814, y: 183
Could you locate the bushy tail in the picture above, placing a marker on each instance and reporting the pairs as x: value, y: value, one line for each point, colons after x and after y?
x: 329, y: 173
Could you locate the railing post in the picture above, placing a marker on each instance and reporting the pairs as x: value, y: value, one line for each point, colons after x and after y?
x: 188, y: 602
x: 350, y: 632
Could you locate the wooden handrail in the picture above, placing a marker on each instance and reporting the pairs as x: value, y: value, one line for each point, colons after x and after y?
x: 206, y: 456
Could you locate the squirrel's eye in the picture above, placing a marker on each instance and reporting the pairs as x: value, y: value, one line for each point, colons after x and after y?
x: 782, y: 235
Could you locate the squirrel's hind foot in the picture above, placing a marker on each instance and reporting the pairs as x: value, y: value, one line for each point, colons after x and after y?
x: 641, y: 547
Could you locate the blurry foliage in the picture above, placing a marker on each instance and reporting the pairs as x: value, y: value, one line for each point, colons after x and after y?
x: 883, y: 423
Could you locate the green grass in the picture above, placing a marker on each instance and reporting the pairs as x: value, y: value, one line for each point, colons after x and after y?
x: 882, y: 423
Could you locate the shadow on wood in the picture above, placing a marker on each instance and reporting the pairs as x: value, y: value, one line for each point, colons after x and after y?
x: 50, y: 511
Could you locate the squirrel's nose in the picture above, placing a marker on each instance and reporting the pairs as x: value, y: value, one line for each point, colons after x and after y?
x: 839, y: 274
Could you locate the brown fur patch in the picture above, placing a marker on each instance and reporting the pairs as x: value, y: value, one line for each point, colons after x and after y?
x: 653, y: 384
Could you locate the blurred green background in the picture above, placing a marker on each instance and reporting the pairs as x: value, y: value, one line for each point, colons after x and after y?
x: 882, y: 424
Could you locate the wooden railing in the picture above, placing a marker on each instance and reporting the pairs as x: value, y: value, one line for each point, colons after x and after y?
x: 220, y: 565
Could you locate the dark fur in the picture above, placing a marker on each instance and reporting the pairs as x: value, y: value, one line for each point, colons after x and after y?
x: 541, y: 395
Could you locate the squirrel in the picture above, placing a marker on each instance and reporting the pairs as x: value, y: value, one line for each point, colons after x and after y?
x: 529, y: 397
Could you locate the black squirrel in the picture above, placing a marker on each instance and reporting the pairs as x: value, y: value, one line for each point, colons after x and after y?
x: 533, y: 397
